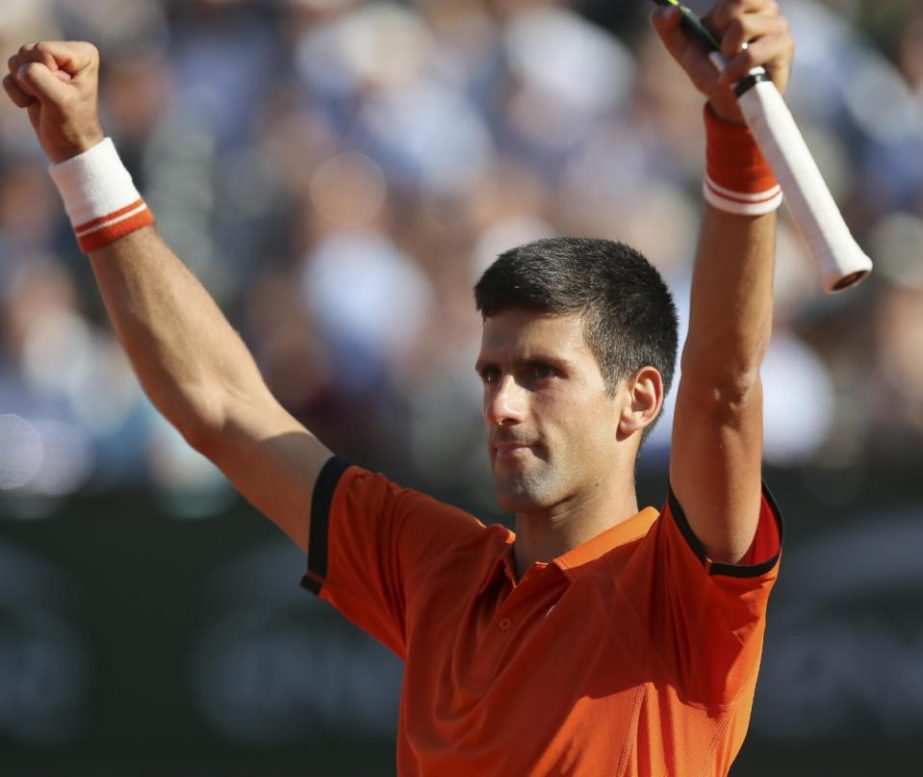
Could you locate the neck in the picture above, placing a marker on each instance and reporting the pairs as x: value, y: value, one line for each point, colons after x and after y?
x: 546, y: 534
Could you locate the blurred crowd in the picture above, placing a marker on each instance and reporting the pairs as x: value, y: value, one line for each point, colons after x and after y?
x: 338, y: 173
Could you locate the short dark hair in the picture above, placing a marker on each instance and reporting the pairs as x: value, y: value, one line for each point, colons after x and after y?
x: 629, y: 316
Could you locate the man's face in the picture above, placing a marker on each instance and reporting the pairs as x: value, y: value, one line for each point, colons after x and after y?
x: 551, y: 426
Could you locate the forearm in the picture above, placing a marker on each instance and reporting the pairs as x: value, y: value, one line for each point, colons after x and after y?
x: 716, y: 457
x: 199, y: 374
x: 188, y: 358
x: 731, y: 301
x: 190, y: 361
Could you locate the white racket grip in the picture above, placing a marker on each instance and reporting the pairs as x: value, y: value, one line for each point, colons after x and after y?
x: 840, y: 260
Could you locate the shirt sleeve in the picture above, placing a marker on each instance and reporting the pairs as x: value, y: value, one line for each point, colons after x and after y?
x: 705, y: 620
x: 371, y: 540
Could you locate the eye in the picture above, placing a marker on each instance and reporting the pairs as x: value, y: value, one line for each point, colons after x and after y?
x: 490, y: 375
x: 541, y: 371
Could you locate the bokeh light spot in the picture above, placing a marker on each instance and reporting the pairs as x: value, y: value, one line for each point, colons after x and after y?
x: 21, y: 452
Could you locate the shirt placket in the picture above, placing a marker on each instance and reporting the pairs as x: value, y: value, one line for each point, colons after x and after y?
x: 509, y: 622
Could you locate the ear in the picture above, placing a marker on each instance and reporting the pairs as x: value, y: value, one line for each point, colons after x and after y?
x: 643, y: 400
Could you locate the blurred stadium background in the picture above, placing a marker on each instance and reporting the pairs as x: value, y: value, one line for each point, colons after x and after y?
x: 338, y: 173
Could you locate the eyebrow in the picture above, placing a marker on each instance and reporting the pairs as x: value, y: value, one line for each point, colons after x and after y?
x: 526, y: 361
x: 482, y: 364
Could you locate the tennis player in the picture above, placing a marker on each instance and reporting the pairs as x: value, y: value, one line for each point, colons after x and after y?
x: 598, y: 639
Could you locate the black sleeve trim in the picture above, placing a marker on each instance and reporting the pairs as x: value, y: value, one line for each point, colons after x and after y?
x: 729, y: 570
x: 326, y: 484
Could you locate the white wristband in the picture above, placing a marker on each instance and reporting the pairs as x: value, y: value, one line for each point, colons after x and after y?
x: 99, y: 196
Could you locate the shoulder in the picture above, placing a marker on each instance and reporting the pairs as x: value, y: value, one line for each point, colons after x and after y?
x: 352, y: 499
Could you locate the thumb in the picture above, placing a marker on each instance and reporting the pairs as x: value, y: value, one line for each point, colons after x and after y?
x: 691, y: 55
x: 666, y: 21
x: 38, y: 81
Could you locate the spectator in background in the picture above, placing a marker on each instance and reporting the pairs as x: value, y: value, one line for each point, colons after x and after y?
x: 489, y: 170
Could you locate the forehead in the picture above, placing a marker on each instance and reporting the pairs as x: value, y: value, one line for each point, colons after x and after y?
x: 527, y: 333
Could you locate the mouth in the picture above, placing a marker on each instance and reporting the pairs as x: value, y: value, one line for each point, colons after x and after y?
x: 510, y: 449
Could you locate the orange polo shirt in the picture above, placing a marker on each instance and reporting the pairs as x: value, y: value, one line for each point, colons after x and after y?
x: 632, y: 654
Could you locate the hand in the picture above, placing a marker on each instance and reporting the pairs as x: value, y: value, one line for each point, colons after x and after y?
x: 57, y: 83
x: 756, y: 23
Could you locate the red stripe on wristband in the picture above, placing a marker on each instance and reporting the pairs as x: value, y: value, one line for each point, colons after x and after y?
x: 107, y: 229
x: 90, y: 225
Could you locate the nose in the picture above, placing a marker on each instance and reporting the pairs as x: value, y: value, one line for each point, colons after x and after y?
x: 504, y: 402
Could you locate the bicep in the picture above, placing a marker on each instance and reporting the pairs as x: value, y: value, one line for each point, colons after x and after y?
x: 272, y: 460
x: 715, y: 465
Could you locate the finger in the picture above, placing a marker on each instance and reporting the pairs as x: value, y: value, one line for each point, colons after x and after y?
x: 37, y: 52
x: 70, y: 57
x: 691, y: 56
x: 36, y: 80
x: 763, y: 51
x: 667, y: 23
x: 17, y: 95
x: 744, y: 29
x: 725, y: 11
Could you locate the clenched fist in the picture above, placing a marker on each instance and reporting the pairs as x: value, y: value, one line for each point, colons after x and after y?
x: 751, y: 32
x: 57, y: 83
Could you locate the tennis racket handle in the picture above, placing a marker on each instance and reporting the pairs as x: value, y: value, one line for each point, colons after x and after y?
x: 840, y: 260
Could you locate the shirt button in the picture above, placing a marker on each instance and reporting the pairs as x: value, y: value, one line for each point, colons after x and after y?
x: 505, y: 624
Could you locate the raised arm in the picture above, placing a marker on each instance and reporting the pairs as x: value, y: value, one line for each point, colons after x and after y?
x: 190, y: 361
x: 716, y: 455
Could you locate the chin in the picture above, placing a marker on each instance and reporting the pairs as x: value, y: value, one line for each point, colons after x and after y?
x: 521, y: 496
